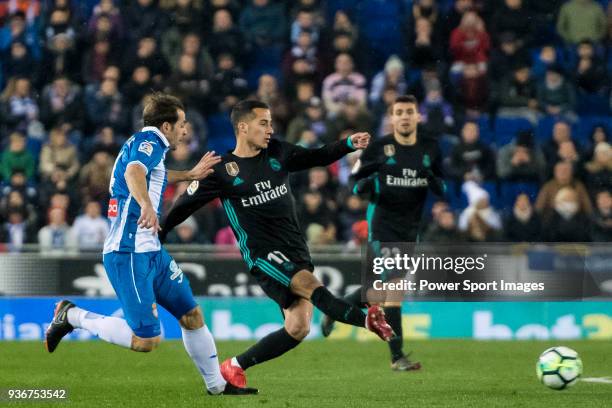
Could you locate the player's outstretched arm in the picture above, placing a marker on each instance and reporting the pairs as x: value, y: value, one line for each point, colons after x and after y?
x: 300, y: 158
x: 197, y: 195
x: 203, y: 169
x: 136, y: 179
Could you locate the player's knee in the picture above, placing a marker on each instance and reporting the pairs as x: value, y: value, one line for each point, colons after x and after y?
x: 298, y: 330
x: 304, y: 283
x: 193, y: 319
x: 145, y: 345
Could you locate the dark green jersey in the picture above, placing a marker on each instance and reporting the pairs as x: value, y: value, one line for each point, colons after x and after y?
x: 256, y: 196
x: 397, y: 178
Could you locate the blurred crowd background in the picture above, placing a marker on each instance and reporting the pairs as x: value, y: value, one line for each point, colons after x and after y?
x: 517, y: 92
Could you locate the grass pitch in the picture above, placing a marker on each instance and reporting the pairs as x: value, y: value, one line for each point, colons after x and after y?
x: 456, y: 373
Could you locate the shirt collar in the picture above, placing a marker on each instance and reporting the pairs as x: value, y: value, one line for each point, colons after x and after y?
x: 157, y: 132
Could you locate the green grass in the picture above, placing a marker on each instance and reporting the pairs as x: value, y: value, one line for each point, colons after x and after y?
x: 456, y: 373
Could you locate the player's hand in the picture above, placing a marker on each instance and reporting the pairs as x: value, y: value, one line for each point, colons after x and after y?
x: 360, y: 140
x: 148, y: 219
x: 204, y: 168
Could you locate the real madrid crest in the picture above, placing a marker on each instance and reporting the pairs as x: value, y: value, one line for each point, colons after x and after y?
x: 232, y: 168
x: 389, y: 150
x: 193, y: 187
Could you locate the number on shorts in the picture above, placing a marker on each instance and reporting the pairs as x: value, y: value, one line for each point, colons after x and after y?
x: 278, y: 257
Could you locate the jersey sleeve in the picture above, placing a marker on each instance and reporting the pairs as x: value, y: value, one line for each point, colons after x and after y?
x: 299, y: 158
x: 433, y: 171
x: 198, y: 194
x: 146, y: 153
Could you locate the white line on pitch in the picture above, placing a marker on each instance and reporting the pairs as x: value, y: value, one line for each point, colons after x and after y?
x: 600, y: 380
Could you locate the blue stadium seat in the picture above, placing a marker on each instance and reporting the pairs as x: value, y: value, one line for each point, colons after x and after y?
x: 592, y: 104
x: 506, y: 129
x: 544, y: 129
x: 220, y: 133
x: 487, y: 136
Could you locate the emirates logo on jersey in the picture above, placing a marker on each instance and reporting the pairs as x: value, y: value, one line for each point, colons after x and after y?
x: 232, y: 168
x: 113, y: 207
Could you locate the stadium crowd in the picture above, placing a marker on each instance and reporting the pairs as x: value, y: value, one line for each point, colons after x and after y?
x: 517, y: 92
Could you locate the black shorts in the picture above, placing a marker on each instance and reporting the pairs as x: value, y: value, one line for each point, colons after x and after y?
x: 274, y: 269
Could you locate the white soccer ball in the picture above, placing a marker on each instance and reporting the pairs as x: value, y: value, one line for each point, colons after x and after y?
x: 559, y: 367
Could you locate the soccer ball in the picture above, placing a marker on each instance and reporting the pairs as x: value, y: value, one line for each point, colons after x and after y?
x: 559, y: 367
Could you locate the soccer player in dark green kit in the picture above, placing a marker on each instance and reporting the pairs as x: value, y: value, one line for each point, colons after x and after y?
x: 395, y: 172
x: 252, y: 182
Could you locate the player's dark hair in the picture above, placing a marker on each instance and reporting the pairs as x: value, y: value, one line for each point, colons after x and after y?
x: 406, y: 99
x: 243, y: 111
x: 159, y: 108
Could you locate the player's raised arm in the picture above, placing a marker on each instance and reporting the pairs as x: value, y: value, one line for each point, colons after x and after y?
x: 203, y: 169
x: 300, y: 158
x: 197, y: 195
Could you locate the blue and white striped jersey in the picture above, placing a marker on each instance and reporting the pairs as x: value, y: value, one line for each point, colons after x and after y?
x: 148, y: 149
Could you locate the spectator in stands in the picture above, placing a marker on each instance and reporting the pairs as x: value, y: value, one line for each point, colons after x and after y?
x: 597, y: 135
x: 523, y: 224
x: 59, y: 159
x: 18, y: 30
x: 56, y: 237
x: 18, y: 107
x: 393, y: 76
x: 268, y: 92
x: 581, y: 20
x: 60, y: 57
x: 264, y: 22
x: 561, y: 132
x: 598, y: 171
x: 94, y: 177
x: 471, y: 159
x: 15, y: 201
x: 97, y: 59
x: 138, y: 85
x: 452, y: 20
x: 521, y: 160
x: 443, y: 229
x: 351, y: 211
x: 342, y: 85
x: 16, y: 158
x: 229, y: 85
x: 509, y: 54
x: 425, y: 47
x: 479, y: 221
x: 305, y: 21
x: 181, y: 158
x: 352, y: 114
x: 105, y: 106
x: 107, y: 9
x: 189, y: 44
x: 309, y: 140
x: 19, y: 63
x: 19, y: 182
x: 17, y: 231
x: 313, y: 118
x: 590, y: 70
x: 556, y: 95
x: 567, y: 222
x: 563, y: 177
x: 146, y: 53
x: 61, y: 105
x: 185, y: 233
x: 190, y: 85
x: 436, y: 113
x: 301, y: 60
x: 144, y: 19
x: 187, y: 17
x: 226, y: 36
x: 517, y: 95
x: 469, y: 45
x: 314, y: 210
x: 602, y: 217
x: 513, y: 17
x: 473, y: 90
x: 105, y: 140
x: 547, y: 58
x: 90, y: 229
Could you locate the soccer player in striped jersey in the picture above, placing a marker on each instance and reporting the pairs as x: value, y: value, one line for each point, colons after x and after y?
x: 252, y: 182
x: 142, y: 273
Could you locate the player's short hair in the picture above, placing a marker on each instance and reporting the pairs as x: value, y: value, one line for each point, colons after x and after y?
x: 243, y: 111
x: 406, y: 99
x: 159, y: 108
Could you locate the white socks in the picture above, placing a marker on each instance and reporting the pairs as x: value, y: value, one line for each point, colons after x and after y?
x: 200, y: 346
x: 111, y: 329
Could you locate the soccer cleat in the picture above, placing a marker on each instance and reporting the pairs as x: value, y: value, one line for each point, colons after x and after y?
x: 233, y: 390
x: 375, y: 322
x: 327, y: 325
x: 59, y: 327
x: 403, y: 364
x: 233, y: 374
